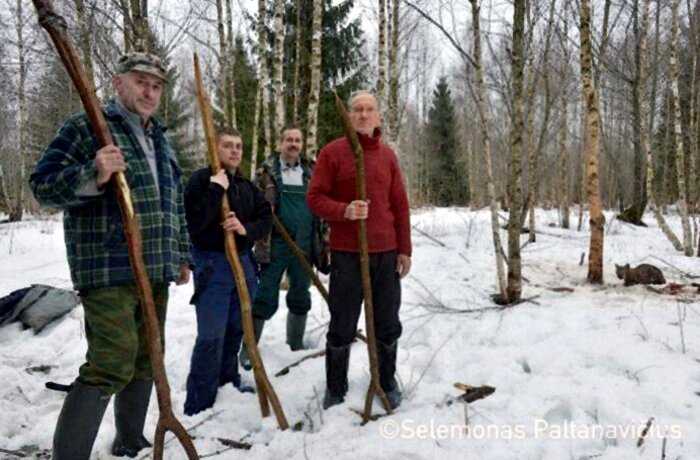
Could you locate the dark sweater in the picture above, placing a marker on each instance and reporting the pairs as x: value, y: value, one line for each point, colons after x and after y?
x: 332, y: 188
x: 203, y: 211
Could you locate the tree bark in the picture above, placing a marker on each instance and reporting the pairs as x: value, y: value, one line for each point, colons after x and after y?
x: 564, y: 196
x: 591, y: 148
x: 393, y: 106
x: 263, y: 76
x: 644, y: 133
x: 230, y: 66
x: 84, y: 27
x: 278, y: 68
x: 297, y: 62
x: 381, y: 56
x: 315, y: 93
x: 516, y: 146
x: 17, y: 211
x: 484, y: 122
x: 678, y: 135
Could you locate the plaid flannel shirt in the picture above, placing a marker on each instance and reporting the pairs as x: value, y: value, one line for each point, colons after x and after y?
x: 94, y: 234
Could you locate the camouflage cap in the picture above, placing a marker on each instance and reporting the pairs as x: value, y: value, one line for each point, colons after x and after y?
x: 142, y: 62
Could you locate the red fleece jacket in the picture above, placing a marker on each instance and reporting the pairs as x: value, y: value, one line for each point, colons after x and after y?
x: 332, y: 188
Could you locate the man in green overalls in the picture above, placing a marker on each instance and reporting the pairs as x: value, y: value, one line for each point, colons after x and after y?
x: 284, y: 178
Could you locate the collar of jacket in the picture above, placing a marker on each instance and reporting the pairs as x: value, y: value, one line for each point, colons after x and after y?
x: 112, y: 112
x: 273, y: 167
x: 370, y: 142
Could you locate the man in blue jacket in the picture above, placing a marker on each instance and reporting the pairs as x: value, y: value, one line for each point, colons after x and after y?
x: 73, y: 175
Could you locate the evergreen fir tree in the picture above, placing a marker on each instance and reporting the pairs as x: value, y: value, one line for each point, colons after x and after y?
x: 175, y: 112
x: 344, y: 67
x: 246, y: 84
x: 448, y: 176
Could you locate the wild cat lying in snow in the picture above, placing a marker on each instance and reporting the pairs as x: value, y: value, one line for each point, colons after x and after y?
x: 641, y: 274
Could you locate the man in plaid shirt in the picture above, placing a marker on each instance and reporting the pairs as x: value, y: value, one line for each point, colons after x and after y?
x: 73, y: 175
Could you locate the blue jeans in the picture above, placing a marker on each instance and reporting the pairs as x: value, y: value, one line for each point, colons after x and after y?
x: 219, y: 330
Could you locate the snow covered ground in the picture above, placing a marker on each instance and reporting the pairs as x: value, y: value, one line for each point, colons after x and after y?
x: 577, y: 374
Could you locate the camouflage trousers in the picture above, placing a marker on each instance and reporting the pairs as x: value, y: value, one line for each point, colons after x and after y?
x: 116, y: 335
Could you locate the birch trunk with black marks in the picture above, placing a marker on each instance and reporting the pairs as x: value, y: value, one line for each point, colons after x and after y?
x: 230, y: 66
x: 381, y: 56
x: 677, y: 134
x: 393, y: 105
x: 591, y: 148
x: 84, y: 38
x: 315, y: 93
x: 516, y: 145
x: 17, y: 209
x: 297, y: 63
x: 263, y: 76
x: 484, y: 125
x: 644, y: 131
x: 277, y: 68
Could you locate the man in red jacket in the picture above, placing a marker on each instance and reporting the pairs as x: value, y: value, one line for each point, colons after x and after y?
x: 332, y: 197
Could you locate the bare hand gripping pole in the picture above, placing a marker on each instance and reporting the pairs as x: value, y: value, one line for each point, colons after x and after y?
x: 266, y: 394
x: 55, y: 25
x: 361, y: 190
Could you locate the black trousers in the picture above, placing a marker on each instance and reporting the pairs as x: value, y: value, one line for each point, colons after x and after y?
x: 346, y: 297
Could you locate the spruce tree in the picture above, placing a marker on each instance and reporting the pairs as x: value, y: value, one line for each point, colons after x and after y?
x: 245, y: 82
x: 447, y: 173
x: 175, y: 112
x: 344, y: 67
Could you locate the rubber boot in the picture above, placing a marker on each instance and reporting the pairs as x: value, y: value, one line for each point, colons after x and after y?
x: 387, y: 370
x: 243, y: 357
x: 130, y: 408
x: 337, y: 360
x: 296, y: 325
x: 79, y: 422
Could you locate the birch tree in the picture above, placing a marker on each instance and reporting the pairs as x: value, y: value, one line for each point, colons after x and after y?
x: 315, y: 93
x: 277, y: 68
x: 484, y: 123
x: 516, y: 153
x: 677, y: 134
x: 591, y: 147
x: 381, y: 55
x: 263, y: 77
x: 644, y: 131
x: 393, y: 104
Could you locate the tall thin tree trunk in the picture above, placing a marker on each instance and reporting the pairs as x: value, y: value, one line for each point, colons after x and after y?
x: 230, y: 66
x: 591, y: 148
x: 678, y: 136
x: 256, y: 125
x: 484, y: 119
x: 224, y: 87
x: 297, y: 62
x: 139, y: 21
x: 644, y: 130
x: 564, y: 197
x: 315, y: 93
x: 516, y: 146
x: 381, y: 56
x: 17, y: 211
x: 263, y: 76
x: 85, y: 41
x: 278, y: 68
x: 393, y: 116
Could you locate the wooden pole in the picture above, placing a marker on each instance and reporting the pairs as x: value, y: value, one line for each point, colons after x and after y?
x: 361, y: 190
x: 266, y: 394
x: 55, y: 25
x: 279, y: 226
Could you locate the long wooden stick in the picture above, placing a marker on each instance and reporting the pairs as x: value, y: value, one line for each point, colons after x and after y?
x: 266, y: 394
x: 55, y: 25
x: 374, y: 387
x: 296, y: 250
